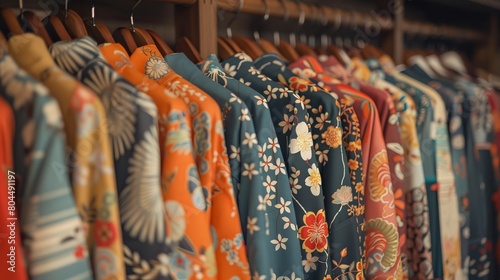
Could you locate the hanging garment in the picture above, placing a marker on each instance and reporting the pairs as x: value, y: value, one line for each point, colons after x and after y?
x: 456, y: 132
x: 346, y: 232
x: 479, y: 134
x: 291, y: 119
x: 264, y: 227
x: 418, y: 241
x: 131, y: 121
x: 53, y: 234
x: 425, y: 118
x: 188, y: 223
x: 212, y: 160
x: 10, y: 235
x: 310, y: 66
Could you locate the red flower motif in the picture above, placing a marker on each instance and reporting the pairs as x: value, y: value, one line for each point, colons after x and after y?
x: 105, y: 233
x: 299, y: 84
x: 79, y: 252
x: 80, y: 97
x: 315, y: 232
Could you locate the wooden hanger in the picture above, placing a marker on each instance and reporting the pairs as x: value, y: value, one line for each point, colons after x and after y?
x: 249, y: 47
x: 269, y: 47
x: 123, y: 35
x: 184, y: 45
x: 73, y: 23
x: 303, y: 49
x: 288, y: 51
x: 9, y: 25
x: 30, y: 19
x: 223, y: 49
x: 98, y: 31
x: 142, y: 37
x: 335, y: 51
x: 160, y: 43
x: 56, y: 30
x: 231, y: 43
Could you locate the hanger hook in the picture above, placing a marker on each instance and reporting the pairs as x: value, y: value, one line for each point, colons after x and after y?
x: 302, y: 14
x: 287, y: 12
x: 256, y: 34
x: 21, y: 8
x: 66, y: 8
x: 132, y: 15
x: 228, y: 28
x: 92, y: 3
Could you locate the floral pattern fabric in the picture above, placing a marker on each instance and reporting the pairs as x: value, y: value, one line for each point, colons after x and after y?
x: 48, y: 213
x: 453, y: 100
x: 131, y: 119
x: 10, y: 244
x: 191, y: 251
x: 215, y: 173
x: 418, y: 239
x: 479, y: 133
x: 391, y: 132
x: 424, y: 125
x: 307, y: 69
x: 290, y: 119
x: 266, y: 223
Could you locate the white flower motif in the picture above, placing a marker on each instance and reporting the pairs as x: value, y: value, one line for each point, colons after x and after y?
x: 235, y: 153
x: 279, y: 167
x: 288, y: 223
x: 268, y: 198
x: 235, y: 99
x: 156, y: 68
x: 283, y: 206
x: 253, y: 71
x: 270, y: 184
x: 314, y: 180
x: 273, y: 144
x: 270, y: 92
x: 283, y: 92
x: 286, y: 123
x: 249, y: 170
x: 230, y: 69
x: 256, y: 276
x: 309, y: 262
x: 244, y: 115
x: 303, y: 143
x: 279, y: 242
x: 252, y: 225
x: 245, y: 83
x: 263, y: 77
x: 322, y: 156
x: 266, y: 162
x: 250, y: 140
x: 262, y: 150
x: 294, y: 183
x: 261, y: 101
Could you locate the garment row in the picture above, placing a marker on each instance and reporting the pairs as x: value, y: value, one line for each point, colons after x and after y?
x: 151, y: 167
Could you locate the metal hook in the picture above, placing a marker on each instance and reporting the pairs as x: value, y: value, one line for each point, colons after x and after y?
x: 302, y: 19
x: 93, y: 12
x: 21, y: 8
x: 256, y: 34
x: 132, y: 15
x: 228, y: 28
x: 66, y: 8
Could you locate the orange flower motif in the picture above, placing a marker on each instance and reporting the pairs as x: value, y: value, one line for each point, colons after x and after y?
x: 353, y: 164
x: 299, y: 84
x: 360, y: 188
x: 315, y: 232
x: 328, y: 277
x: 379, y: 181
x: 332, y: 136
